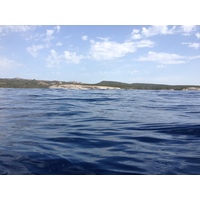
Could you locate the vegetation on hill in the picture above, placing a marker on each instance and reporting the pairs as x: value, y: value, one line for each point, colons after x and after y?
x: 146, y: 86
x: 32, y: 83
x: 26, y: 83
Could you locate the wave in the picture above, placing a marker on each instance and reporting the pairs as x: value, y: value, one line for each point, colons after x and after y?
x: 99, y: 132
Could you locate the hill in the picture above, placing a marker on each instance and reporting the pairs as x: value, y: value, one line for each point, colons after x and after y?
x: 147, y: 86
x: 32, y: 83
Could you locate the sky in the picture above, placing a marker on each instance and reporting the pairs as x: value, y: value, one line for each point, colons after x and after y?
x: 163, y: 54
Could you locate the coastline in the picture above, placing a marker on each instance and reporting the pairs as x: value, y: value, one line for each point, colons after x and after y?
x: 82, y: 87
x: 103, y: 85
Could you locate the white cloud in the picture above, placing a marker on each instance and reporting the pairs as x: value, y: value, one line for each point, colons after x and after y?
x: 7, y: 63
x: 33, y: 50
x: 68, y: 36
x: 163, y: 30
x: 49, y: 35
x: 71, y: 57
x: 198, y: 35
x: 103, y: 38
x: 161, y: 66
x: 152, y: 31
x: 59, y: 44
x: 163, y: 58
x: 187, y: 29
x: 57, y: 28
x: 15, y: 28
x: 109, y: 50
x: 84, y: 37
x: 143, y: 43
x: 56, y: 60
x: 136, y: 36
x: 157, y: 30
x: 192, y: 45
x: 135, y: 31
x: 194, y: 57
x: 53, y: 59
x: 44, y: 39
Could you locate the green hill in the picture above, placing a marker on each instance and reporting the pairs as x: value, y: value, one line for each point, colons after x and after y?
x: 32, y: 83
x: 25, y: 83
x: 145, y: 86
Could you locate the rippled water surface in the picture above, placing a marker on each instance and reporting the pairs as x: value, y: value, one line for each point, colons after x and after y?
x: 57, y: 131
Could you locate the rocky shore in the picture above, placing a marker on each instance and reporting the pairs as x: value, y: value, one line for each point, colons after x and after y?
x: 83, y: 87
x: 192, y: 88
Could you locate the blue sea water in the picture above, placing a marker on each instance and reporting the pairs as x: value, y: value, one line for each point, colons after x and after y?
x: 69, y: 132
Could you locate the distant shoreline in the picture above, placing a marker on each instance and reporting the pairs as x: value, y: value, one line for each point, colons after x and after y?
x: 103, y: 85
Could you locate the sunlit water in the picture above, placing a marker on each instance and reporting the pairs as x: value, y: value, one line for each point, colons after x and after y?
x: 58, y: 131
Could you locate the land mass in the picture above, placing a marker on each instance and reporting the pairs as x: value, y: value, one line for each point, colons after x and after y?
x: 32, y: 83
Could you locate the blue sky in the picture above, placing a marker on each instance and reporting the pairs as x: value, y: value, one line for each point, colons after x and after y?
x: 92, y: 53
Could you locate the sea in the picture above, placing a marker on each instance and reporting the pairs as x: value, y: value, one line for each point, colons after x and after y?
x: 99, y: 132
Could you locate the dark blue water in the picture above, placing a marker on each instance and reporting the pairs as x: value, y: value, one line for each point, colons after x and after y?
x: 58, y: 131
